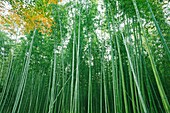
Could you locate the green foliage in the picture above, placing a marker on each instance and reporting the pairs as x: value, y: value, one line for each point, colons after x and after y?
x: 112, y: 60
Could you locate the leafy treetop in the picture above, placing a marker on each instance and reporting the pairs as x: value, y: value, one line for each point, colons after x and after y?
x: 27, y: 16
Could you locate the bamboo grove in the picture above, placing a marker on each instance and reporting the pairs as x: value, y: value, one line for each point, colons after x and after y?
x: 100, y: 56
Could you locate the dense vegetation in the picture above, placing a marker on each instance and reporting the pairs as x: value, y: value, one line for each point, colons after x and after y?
x: 89, y: 56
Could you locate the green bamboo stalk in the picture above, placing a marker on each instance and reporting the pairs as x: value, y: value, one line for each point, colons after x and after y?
x: 137, y: 60
x: 31, y: 95
x: 24, y: 76
x: 90, y: 102
x: 150, y: 93
x: 38, y: 93
x: 76, y: 92
x: 62, y: 62
x: 73, y: 63
x: 159, y: 31
x: 6, y: 85
x: 121, y: 67
x: 101, y: 89
x: 113, y: 67
x: 90, y: 83
x: 132, y: 91
x: 49, y: 86
x: 156, y: 75
x: 134, y: 76
x: 117, y: 89
x: 104, y: 79
x: 122, y: 76
x: 120, y: 64
x: 51, y: 106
